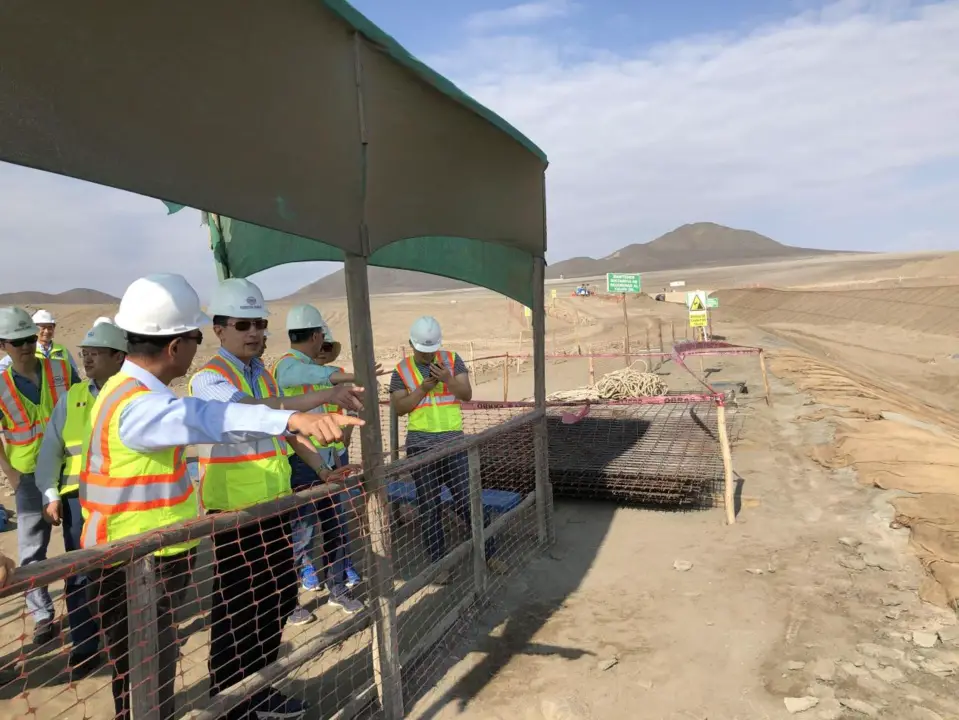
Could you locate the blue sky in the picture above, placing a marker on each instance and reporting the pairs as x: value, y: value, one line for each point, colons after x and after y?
x: 827, y: 125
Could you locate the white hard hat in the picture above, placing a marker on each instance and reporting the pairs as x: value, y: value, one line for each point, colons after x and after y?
x: 44, y: 317
x: 425, y: 335
x: 105, y: 335
x: 304, y: 317
x: 238, y: 298
x: 16, y: 324
x: 103, y: 319
x: 160, y: 304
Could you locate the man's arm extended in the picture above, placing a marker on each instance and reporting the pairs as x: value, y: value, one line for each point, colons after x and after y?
x: 209, y: 385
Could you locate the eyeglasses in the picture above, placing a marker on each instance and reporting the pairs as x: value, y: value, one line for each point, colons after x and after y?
x: 197, y: 336
x: 20, y: 342
x: 245, y: 325
x: 86, y: 353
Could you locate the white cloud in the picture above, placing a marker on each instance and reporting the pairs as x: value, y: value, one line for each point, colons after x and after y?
x: 836, y: 127
x: 522, y: 15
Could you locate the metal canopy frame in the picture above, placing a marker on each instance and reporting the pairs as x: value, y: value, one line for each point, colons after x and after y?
x: 296, y: 115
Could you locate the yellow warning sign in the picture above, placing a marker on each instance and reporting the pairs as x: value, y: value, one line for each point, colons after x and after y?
x: 553, y: 293
x: 697, y: 306
x: 698, y: 318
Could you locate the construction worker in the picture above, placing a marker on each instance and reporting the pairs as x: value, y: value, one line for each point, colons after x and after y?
x: 46, y: 347
x: 255, y: 581
x: 428, y: 387
x: 29, y: 389
x: 297, y: 373
x: 102, y: 351
x: 134, y: 476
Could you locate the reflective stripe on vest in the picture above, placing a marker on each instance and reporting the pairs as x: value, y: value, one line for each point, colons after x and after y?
x: 302, y: 390
x: 439, y: 410
x: 23, y: 421
x: 237, y: 475
x: 124, y: 492
x: 75, y: 429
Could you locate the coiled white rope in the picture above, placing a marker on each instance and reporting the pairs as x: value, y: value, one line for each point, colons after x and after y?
x: 619, y: 385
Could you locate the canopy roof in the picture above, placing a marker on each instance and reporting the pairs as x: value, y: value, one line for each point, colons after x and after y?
x: 299, y: 116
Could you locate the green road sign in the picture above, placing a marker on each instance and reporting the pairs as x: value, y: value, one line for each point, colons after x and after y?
x: 623, y: 283
x: 712, y: 302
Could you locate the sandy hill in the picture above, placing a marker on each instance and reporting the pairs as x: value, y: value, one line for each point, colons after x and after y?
x: 704, y: 243
x: 382, y: 281
x: 76, y: 296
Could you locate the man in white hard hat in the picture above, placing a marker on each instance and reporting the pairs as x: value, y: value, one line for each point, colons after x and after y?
x: 29, y: 389
x: 296, y: 373
x: 134, y: 475
x: 255, y: 582
x: 428, y: 387
x: 102, y: 351
x: 46, y: 347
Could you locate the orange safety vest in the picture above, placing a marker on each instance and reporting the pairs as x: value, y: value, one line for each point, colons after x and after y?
x: 24, y: 422
x: 439, y: 411
x: 125, y: 492
x: 238, y: 475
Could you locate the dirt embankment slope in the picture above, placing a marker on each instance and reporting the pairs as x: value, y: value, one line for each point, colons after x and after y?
x: 885, y: 364
x: 921, y: 309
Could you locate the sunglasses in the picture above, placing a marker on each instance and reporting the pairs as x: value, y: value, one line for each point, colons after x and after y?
x: 327, y: 347
x: 197, y: 336
x: 245, y: 325
x: 20, y: 342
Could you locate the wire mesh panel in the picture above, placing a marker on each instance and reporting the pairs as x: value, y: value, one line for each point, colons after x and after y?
x: 666, y: 454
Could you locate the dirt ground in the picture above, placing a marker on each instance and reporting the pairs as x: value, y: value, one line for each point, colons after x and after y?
x: 848, y: 515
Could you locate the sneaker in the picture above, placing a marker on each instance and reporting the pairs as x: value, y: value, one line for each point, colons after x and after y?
x: 43, y: 632
x: 309, y: 580
x: 341, y: 598
x: 300, y: 616
x: 277, y: 706
x: 83, y: 665
x: 352, y: 577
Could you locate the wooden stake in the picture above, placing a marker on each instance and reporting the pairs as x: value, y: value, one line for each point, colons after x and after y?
x: 476, y: 521
x: 728, y: 477
x: 545, y: 530
x: 378, y: 538
x: 592, y: 370
x: 472, y: 358
x: 672, y: 329
x: 142, y: 598
x: 626, y: 327
x: 661, y: 348
x: 506, y: 378
x: 762, y: 368
x: 647, y: 341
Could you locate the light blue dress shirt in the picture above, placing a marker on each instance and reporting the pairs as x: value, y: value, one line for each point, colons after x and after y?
x: 158, y: 420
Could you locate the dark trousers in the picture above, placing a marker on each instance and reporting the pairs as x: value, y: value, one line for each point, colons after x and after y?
x: 254, y: 591
x: 84, y: 633
x: 452, y: 471
x: 330, y: 516
x: 108, y: 593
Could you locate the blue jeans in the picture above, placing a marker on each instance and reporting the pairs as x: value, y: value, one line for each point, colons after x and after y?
x: 33, y: 539
x: 452, y: 471
x: 326, y: 512
x: 84, y: 631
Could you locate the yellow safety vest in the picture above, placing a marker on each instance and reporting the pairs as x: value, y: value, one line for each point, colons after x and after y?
x: 237, y: 475
x: 124, y: 492
x: 76, y: 427
x: 57, y: 352
x: 23, y: 421
x: 295, y: 390
x: 440, y: 410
